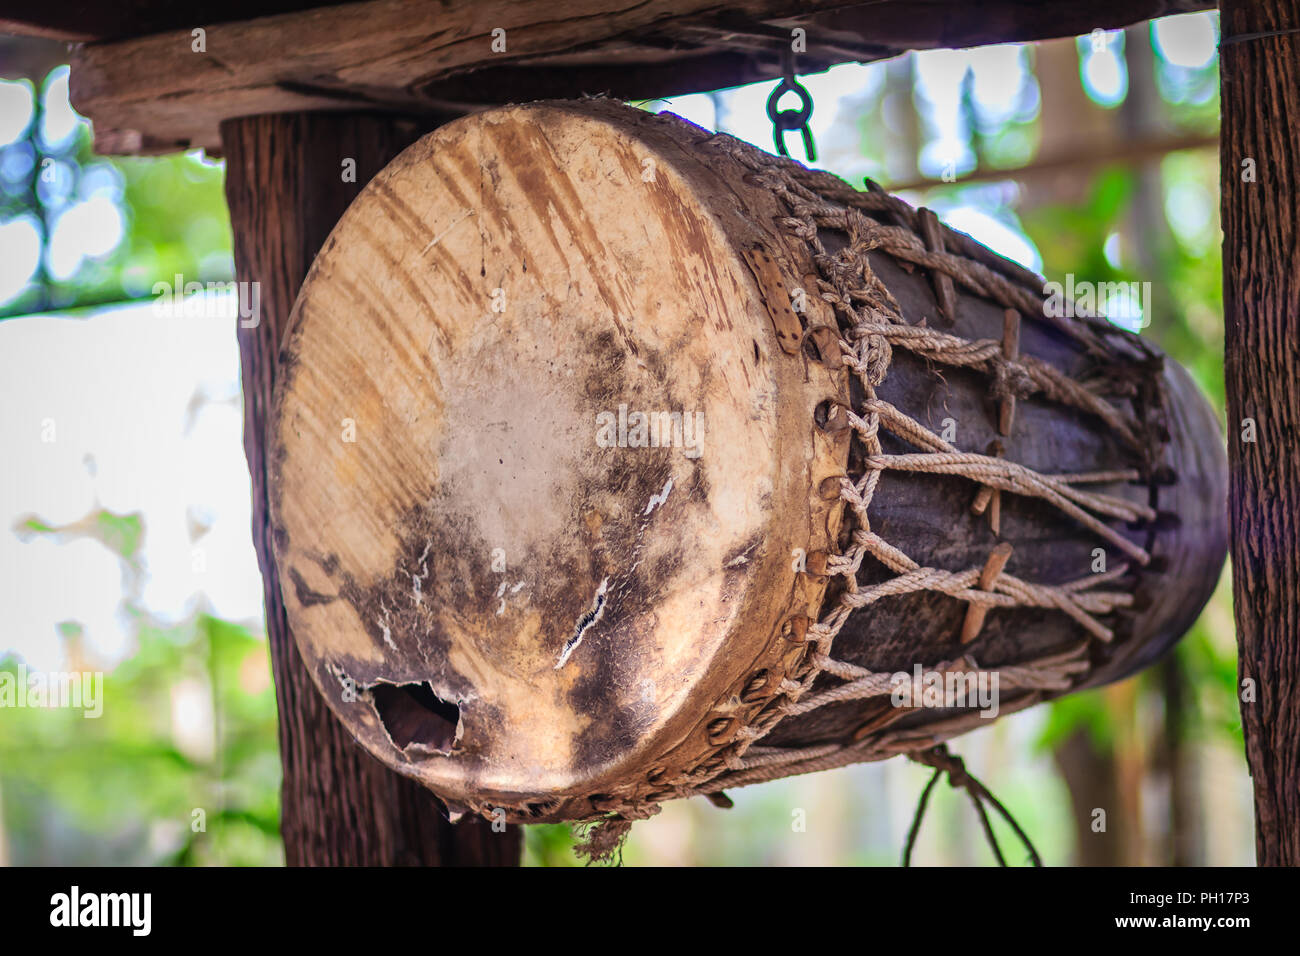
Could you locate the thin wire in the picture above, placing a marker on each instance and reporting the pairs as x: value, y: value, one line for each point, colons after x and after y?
x: 1262, y: 35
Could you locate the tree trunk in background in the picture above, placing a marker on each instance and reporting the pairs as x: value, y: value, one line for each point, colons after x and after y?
x: 285, y: 189
x: 1091, y: 775
x: 899, y: 111
x: 1260, y: 77
x: 1070, y: 121
x: 1141, y: 118
x: 1176, y: 759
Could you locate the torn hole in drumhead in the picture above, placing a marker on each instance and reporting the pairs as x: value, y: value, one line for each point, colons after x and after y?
x: 416, y: 719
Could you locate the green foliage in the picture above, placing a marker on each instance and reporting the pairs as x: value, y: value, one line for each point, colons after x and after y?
x: 172, y: 207
x: 1208, y: 655
x: 135, y: 776
x: 1072, y: 239
x: 1084, y: 711
x: 34, y: 525
x: 178, y: 223
x: 120, y: 533
x: 125, y: 778
x: 549, y: 844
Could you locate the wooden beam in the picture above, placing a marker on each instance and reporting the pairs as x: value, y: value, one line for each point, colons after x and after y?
x: 157, y: 93
x: 26, y: 57
x: 1113, y: 153
x: 340, y: 806
x: 1260, y: 156
x: 80, y: 20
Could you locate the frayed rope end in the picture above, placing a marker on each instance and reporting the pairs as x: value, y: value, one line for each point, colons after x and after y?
x: 602, y: 841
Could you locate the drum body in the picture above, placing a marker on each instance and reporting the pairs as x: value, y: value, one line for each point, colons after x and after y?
x: 615, y: 461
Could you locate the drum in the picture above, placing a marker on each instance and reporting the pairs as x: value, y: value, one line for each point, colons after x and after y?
x: 614, y: 461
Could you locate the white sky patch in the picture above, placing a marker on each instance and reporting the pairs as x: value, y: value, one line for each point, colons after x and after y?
x: 59, y: 120
x: 15, y: 109
x: 1111, y: 250
x: 20, y: 254
x: 995, y: 234
x: 90, y: 229
x: 998, y: 72
x: 1105, y: 77
x: 147, y: 419
x: 1189, y: 40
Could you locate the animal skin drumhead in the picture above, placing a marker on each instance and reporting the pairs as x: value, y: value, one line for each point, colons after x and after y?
x: 468, y: 492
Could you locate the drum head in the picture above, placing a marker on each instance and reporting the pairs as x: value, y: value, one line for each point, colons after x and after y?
x: 540, y: 461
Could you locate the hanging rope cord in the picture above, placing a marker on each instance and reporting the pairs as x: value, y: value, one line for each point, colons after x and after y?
x: 944, y: 762
x: 870, y: 327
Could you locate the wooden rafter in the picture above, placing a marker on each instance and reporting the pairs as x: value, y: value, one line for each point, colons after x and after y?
x: 430, y: 58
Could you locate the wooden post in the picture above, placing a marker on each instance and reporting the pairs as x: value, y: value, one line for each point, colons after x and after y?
x: 1260, y: 157
x: 286, y: 188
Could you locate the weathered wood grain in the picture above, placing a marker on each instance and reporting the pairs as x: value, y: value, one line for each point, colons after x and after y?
x: 1260, y: 78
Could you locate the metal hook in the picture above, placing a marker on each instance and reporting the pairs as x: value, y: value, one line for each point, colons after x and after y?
x: 783, y: 121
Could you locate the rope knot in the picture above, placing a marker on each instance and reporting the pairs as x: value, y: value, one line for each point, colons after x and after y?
x: 958, y: 778
x: 1010, y: 380
x: 876, y: 358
